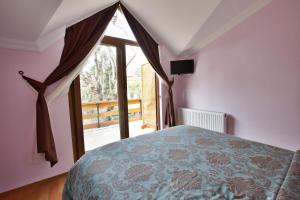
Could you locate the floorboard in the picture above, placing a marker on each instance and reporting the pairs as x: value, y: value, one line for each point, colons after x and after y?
x: 49, y: 189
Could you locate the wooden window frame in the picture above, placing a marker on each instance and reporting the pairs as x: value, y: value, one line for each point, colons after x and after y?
x: 75, y: 98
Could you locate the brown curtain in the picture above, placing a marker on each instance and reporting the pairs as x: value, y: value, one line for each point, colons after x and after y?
x: 150, y: 49
x: 80, y: 38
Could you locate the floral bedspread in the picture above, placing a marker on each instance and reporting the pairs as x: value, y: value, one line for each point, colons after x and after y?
x: 185, y: 162
x: 290, y: 188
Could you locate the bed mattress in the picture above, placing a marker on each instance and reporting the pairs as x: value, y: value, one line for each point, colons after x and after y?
x: 185, y: 162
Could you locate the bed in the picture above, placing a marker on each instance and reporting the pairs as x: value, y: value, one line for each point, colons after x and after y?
x: 185, y: 162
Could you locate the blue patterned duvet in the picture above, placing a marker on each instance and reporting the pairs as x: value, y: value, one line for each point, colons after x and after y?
x: 185, y: 162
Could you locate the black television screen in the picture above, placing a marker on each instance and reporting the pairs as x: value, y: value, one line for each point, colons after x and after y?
x: 182, y: 67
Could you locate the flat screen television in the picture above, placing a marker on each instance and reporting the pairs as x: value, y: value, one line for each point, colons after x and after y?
x: 182, y: 66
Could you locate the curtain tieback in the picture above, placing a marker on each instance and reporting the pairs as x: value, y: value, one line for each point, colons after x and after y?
x: 37, y: 85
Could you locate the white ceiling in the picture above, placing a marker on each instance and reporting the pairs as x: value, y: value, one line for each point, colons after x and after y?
x: 183, y: 27
x: 25, y: 20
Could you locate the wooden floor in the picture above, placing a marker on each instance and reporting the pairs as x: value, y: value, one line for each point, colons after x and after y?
x: 49, y: 189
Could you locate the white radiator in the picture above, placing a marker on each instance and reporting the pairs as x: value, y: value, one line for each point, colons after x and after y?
x: 215, y: 121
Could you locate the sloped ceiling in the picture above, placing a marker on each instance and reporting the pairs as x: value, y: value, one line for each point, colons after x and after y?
x: 25, y: 20
x: 183, y: 27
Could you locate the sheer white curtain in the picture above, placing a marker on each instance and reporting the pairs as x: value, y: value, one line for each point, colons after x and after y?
x: 165, y: 58
x: 63, y: 85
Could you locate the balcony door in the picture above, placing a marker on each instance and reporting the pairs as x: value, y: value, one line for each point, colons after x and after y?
x: 115, y: 96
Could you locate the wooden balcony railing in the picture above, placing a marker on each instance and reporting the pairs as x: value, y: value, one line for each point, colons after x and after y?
x: 101, y: 116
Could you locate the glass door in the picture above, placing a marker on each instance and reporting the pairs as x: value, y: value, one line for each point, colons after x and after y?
x: 115, y: 95
x: 141, y: 92
x: 99, y: 98
x: 118, y: 93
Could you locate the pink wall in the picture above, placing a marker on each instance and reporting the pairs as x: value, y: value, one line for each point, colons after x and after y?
x: 19, y: 164
x: 253, y: 73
